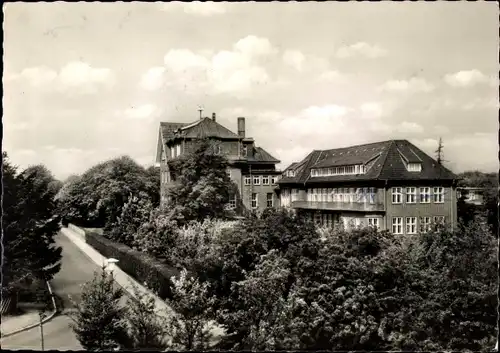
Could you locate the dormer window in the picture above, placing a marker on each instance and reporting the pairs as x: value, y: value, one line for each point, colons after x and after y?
x: 290, y: 173
x: 414, y: 167
x: 342, y: 170
x: 245, y: 150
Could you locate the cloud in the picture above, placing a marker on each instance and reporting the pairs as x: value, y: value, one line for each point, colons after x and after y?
x: 361, y: 49
x: 233, y: 71
x: 153, y: 78
x: 253, y: 46
x: 141, y: 112
x: 409, y: 128
x: 294, y: 58
x: 468, y: 78
x: 196, y: 8
x: 372, y: 109
x: 329, y: 76
x: 73, y: 75
x: 413, y: 85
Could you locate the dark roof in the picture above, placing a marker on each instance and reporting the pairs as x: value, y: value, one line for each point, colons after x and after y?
x: 167, y: 129
x: 383, y: 161
x: 261, y: 155
x: 205, y: 127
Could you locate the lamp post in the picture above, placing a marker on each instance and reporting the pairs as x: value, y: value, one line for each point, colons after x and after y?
x: 111, y: 265
x: 41, y: 314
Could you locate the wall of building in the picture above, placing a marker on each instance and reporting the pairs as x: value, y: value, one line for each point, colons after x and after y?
x: 446, y: 209
x: 261, y: 191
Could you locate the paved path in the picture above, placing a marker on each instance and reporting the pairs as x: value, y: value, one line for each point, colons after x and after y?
x: 76, y: 269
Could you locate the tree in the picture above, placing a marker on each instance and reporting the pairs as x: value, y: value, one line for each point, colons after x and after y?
x: 29, y: 226
x: 188, y: 323
x: 99, y: 320
x: 147, y: 328
x: 98, y: 196
x: 203, y: 186
x: 134, y: 213
x: 439, y: 152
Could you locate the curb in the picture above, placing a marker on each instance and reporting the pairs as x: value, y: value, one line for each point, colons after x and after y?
x: 47, y: 319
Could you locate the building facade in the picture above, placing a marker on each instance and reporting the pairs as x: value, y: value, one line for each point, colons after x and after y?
x: 251, y: 168
x: 391, y: 185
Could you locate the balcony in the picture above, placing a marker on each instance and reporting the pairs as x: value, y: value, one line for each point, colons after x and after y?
x: 339, y: 206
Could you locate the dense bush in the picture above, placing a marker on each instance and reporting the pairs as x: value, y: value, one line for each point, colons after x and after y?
x: 143, y: 267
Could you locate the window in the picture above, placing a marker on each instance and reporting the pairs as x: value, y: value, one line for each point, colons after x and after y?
x: 411, y: 225
x: 397, y: 225
x: 374, y: 222
x: 248, y: 180
x: 256, y: 180
x: 178, y: 149
x: 425, y: 224
x: 265, y: 180
x: 351, y: 195
x: 425, y: 195
x: 274, y: 179
x: 232, y: 202
x: 439, y: 219
x: 414, y: 167
x: 254, y: 201
x: 438, y: 194
x: 290, y: 173
x: 295, y: 194
x: 397, y: 195
x: 372, y: 195
x: 270, y: 200
x: 411, y: 195
x: 245, y: 150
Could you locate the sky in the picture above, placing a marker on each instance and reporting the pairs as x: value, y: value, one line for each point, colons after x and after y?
x: 87, y: 82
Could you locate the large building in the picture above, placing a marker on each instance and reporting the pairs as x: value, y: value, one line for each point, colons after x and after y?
x: 392, y: 185
x: 251, y: 168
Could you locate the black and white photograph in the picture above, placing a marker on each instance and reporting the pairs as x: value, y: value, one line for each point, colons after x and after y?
x: 250, y: 176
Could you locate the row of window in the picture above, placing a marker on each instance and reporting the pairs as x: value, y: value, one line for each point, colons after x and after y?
x: 424, y: 195
x: 411, y: 224
x: 254, y: 200
x: 258, y: 179
x: 344, y: 170
x: 360, y: 195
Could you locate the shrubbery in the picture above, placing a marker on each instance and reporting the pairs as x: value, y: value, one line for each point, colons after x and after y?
x: 139, y: 265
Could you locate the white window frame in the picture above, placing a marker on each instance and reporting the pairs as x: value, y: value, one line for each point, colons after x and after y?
x: 254, y: 200
x: 374, y: 222
x: 178, y: 148
x: 267, y: 200
x: 425, y: 224
x: 411, y: 194
x: 295, y: 194
x: 411, y: 225
x: 397, y: 194
x: 265, y: 180
x: 248, y: 180
x: 397, y: 225
x: 256, y: 179
x: 414, y: 167
x: 438, y: 194
x: 438, y: 219
x: 426, y: 193
x: 232, y: 202
x: 274, y: 179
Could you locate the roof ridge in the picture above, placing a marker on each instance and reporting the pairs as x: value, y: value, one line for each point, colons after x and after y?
x: 357, y: 146
x: 393, y: 143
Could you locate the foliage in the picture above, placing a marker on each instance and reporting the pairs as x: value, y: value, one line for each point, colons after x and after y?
x: 147, y: 328
x: 141, y: 266
x: 134, y: 213
x: 98, y: 196
x: 203, y: 186
x: 156, y: 236
x: 99, y: 320
x: 188, y: 323
x: 29, y: 226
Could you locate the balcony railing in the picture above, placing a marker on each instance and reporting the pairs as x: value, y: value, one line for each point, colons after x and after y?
x: 339, y: 206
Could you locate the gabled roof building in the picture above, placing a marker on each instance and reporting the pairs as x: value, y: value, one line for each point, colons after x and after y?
x: 392, y: 185
x: 251, y: 167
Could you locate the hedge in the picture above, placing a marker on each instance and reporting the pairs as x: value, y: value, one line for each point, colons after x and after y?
x: 142, y: 267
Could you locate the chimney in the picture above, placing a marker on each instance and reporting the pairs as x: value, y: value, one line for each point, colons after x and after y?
x: 241, y: 127
x: 213, y: 116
